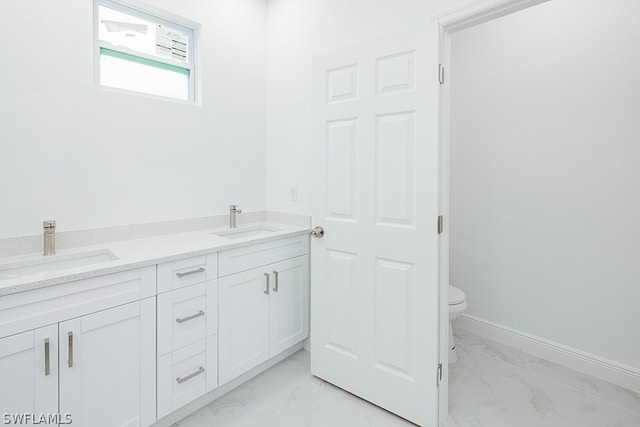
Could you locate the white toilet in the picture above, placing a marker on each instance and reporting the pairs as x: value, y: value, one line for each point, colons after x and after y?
x: 457, y: 306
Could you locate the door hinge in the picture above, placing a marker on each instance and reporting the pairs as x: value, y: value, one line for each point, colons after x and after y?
x: 440, y: 224
x: 439, y: 374
x: 441, y: 73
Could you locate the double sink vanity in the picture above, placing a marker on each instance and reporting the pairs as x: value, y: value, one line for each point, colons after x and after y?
x: 134, y: 332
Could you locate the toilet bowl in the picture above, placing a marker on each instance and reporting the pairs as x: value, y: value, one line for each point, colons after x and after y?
x: 457, y: 306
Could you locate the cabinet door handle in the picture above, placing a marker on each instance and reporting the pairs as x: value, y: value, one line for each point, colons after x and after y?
x: 193, y: 316
x: 47, y: 362
x: 275, y: 275
x: 188, y: 377
x: 189, y: 273
x: 70, y: 360
x: 266, y: 288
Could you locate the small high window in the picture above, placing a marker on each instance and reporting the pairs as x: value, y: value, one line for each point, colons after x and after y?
x: 140, y: 51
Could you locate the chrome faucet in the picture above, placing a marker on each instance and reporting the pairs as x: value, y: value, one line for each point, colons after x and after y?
x: 233, y: 212
x: 49, y: 237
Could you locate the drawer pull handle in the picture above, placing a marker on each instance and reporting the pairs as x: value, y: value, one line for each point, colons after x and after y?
x: 266, y: 288
x: 193, y: 316
x: 189, y: 273
x: 275, y: 274
x: 47, y: 362
x: 188, y: 377
x: 70, y: 360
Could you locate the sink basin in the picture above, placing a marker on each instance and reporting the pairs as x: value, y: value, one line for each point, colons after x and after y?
x: 241, y: 233
x: 54, y: 263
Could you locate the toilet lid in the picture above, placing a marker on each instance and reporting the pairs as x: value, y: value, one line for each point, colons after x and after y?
x: 456, y: 296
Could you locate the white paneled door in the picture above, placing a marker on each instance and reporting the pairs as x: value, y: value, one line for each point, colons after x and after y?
x: 374, y: 308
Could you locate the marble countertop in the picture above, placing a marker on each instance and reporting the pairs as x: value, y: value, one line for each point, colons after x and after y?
x: 139, y: 252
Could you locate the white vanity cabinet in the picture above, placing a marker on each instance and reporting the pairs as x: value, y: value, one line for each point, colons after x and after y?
x: 131, y: 348
x: 86, y: 348
x: 29, y: 372
x: 263, y: 310
x: 288, y: 304
x: 106, y: 366
x: 187, y: 331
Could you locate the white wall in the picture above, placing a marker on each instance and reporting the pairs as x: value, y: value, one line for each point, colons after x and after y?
x: 300, y: 29
x: 545, y: 148
x: 91, y: 158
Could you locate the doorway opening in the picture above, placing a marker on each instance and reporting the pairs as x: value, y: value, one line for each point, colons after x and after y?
x: 539, y: 151
x: 449, y: 24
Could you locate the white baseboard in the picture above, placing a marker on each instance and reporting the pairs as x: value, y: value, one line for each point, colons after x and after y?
x: 306, y: 344
x: 578, y: 360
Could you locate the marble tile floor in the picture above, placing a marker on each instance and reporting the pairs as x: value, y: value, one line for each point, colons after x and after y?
x: 491, y: 385
x: 287, y: 395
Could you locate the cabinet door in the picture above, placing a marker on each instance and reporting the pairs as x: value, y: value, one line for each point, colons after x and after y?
x: 107, y: 366
x: 289, y: 310
x: 29, y: 373
x: 243, y: 322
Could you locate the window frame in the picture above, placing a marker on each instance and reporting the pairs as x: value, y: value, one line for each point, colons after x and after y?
x: 156, y: 16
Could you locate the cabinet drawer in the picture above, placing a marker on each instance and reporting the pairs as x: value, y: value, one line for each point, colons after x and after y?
x: 248, y: 257
x: 186, y: 374
x: 186, y: 272
x: 33, y: 309
x: 187, y: 315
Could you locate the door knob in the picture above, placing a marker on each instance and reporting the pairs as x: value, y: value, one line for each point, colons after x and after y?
x: 317, y: 232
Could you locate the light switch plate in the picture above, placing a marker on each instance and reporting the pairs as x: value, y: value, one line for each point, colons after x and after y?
x: 293, y: 193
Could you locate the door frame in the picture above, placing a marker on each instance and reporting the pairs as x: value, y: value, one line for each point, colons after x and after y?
x: 449, y: 23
